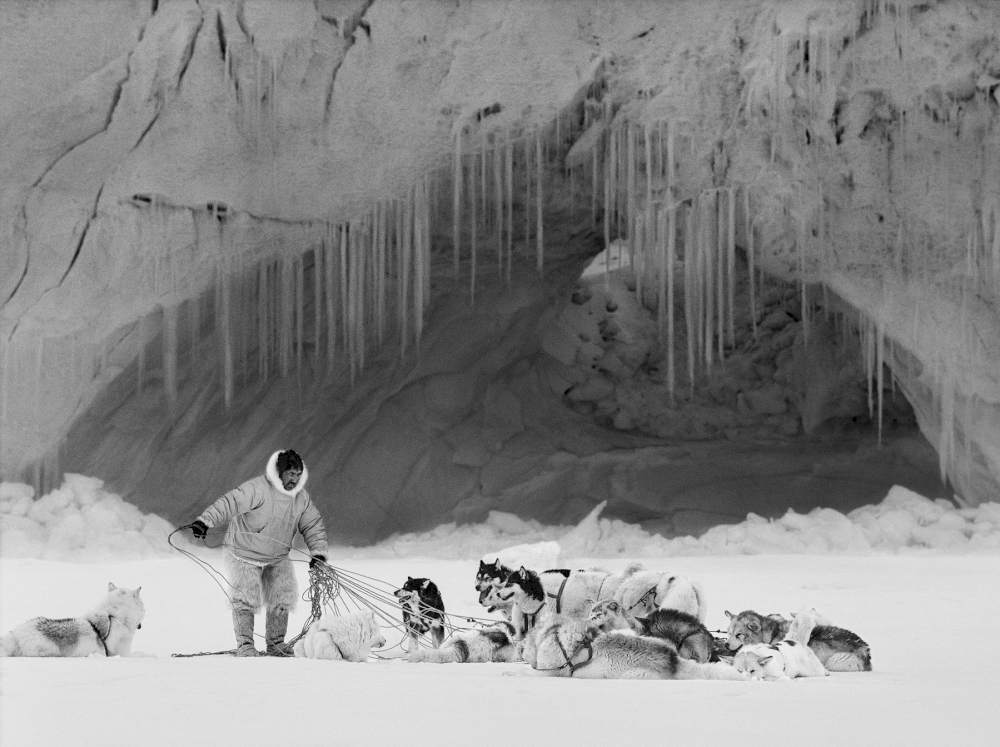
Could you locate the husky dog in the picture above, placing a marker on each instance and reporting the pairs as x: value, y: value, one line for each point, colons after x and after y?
x: 493, y: 644
x: 524, y: 590
x: 566, y: 592
x: 645, y: 591
x: 839, y: 650
x: 607, y: 616
x: 749, y: 627
x: 782, y: 661
x: 423, y: 611
x: 106, y: 631
x: 564, y: 647
x: 689, y: 636
x: 346, y: 637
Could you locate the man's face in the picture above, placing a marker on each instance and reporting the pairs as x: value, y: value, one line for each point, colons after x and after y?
x: 290, y: 478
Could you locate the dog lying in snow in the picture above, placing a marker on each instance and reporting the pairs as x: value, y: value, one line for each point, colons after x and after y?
x: 786, y: 659
x: 645, y: 591
x: 107, y: 630
x: 689, y: 636
x: 493, y: 644
x: 839, y: 650
x: 345, y: 637
x: 564, y: 647
x: 423, y: 611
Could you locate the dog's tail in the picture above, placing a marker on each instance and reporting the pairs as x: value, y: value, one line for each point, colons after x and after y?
x: 692, y: 670
x: 8, y: 646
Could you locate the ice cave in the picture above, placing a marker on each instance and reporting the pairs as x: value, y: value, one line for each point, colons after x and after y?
x: 692, y: 258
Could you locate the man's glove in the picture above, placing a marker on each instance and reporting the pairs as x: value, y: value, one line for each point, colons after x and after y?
x: 199, y: 529
x: 316, y: 560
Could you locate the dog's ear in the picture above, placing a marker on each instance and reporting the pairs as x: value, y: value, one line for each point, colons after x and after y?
x: 754, y: 626
x: 111, y: 586
x: 137, y: 590
x: 409, y: 579
x: 425, y: 584
x: 482, y: 565
x: 730, y: 615
x: 764, y: 660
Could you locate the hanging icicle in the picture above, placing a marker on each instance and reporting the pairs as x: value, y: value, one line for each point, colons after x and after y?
x: 457, y: 201
x: 539, y: 242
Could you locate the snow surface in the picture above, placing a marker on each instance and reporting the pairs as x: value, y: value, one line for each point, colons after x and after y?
x: 911, y: 576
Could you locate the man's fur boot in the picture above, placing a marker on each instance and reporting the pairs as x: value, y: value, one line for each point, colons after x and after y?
x: 243, y: 627
x: 277, y: 626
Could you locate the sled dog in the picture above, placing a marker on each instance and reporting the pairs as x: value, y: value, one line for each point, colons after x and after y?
x: 781, y: 661
x: 566, y: 592
x: 493, y: 644
x: 645, y: 591
x: 839, y: 650
x: 106, y: 631
x: 563, y: 647
x: 689, y: 636
x: 347, y: 637
x: 608, y: 615
x: 423, y: 611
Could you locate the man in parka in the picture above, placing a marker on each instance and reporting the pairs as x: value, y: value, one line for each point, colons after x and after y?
x: 264, y: 514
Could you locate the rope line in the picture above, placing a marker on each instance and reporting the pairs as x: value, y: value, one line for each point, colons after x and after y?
x: 339, y: 591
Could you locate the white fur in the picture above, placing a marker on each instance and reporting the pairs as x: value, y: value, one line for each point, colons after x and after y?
x: 646, y: 591
x: 275, y: 479
x: 480, y: 647
x: 583, y: 589
x: 107, y: 630
x: 784, y: 661
x: 563, y: 647
x: 345, y: 637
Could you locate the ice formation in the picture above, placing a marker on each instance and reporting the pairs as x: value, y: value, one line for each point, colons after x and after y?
x: 268, y: 194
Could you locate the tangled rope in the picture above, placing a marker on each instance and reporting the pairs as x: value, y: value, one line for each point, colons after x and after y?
x: 339, y: 592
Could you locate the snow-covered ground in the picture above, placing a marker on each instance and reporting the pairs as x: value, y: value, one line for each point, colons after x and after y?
x: 921, y: 589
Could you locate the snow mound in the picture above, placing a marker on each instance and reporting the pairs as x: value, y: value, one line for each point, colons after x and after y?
x: 79, y: 521
x: 903, y: 523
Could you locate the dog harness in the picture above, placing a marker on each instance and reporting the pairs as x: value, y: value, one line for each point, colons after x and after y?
x: 641, y: 599
x: 102, y: 638
x: 585, y: 644
x: 558, y: 595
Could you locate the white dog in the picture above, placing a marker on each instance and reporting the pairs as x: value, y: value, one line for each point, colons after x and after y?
x: 347, y: 637
x: 644, y: 592
x: 106, y: 631
x: 564, y: 647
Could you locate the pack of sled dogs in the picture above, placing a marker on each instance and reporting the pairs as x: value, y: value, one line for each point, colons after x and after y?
x: 638, y: 624
x: 589, y: 623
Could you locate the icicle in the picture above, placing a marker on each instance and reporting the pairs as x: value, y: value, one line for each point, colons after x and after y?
x: 630, y: 188
x: 880, y: 365
x: 345, y: 298
x: 318, y: 298
x: 595, y: 174
x: 457, y: 201
x: 331, y: 297
x: 527, y: 191
x: 509, y: 167
x: 608, y: 207
x: 170, y: 359
x: 262, y: 347
x: 803, y: 231
x: 748, y: 218
x: 484, y: 182
x: 689, y: 293
x: 473, y: 229
x: 669, y: 226
x: 946, y: 438
x: 731, y: 257
x: 194, y: 309
x: 406, y: 253
x: 300, y: 292
x: 418, y: 257
x: 539, y: 245
x: 708, y: 252
x: 720, y: 259
x: 498, y: 216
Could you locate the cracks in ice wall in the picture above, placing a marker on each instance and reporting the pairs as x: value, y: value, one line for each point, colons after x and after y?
x: 347, y: 28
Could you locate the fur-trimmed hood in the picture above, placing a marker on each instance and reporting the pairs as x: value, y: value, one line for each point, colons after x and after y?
x: 275, y: 479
